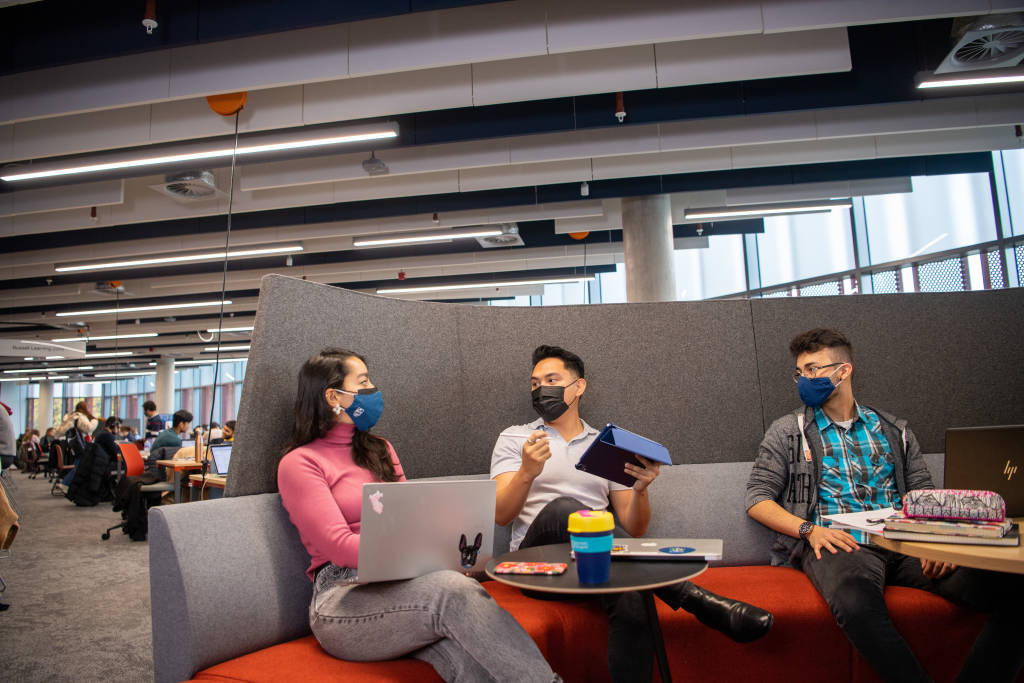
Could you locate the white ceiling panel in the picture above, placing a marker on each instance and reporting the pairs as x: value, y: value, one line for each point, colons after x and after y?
x: 588, y: 24
x: 998, y: 109
x: 738, y: 130
x: 89, y: 86
x: 386, y: 187
x: 263, y: 61
x: 264, y: 110
x: 751, y: 57
x: 68, y: 197
x: 7, y: 142
x: 657, y: 163
x: 789, y: 15
x: 948, y: 141
x: 399, y: 93
x: 524, y: 175
x: 420, y: 40
x: 805, y: 152
x: 563, y: 75
x: 82, y: 133
x: 875, y: 119
x: 584, y: 143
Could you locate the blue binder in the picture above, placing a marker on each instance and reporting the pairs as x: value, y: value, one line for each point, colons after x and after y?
x: 613, y: 448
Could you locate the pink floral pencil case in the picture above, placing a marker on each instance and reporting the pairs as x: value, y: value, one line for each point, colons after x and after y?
x: 978, y: 506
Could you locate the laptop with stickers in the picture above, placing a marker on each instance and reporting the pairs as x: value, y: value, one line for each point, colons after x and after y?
x: 412, y: 528
x: 692, y: 549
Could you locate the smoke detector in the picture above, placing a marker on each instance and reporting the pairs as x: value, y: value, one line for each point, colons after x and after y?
x: 190, y: 186
x: 991, y: 42
x: 374, y: 166
x: 509, y: 237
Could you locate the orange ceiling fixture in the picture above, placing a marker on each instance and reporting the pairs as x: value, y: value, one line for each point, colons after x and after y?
x: 227, y: 104
x: 579, y: 235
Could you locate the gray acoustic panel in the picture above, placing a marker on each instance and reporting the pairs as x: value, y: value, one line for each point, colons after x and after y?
x: 410, y: 348
x: 937, y: 360
x: 658, y: 369
x: 454, y: 376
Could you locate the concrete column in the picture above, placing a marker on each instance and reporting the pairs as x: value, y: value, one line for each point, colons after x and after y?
x: 165, y: 386
x: 44, y: 406
x: 648, y: 245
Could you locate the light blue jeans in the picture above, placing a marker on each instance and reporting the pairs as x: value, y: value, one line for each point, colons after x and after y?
x: 444, y: 618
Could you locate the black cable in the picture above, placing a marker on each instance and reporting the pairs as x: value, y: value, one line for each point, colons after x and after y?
x: 223, y: 292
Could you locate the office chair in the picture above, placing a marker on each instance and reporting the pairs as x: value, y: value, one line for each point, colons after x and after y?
x: 61, y: 469
x: 152, y: 493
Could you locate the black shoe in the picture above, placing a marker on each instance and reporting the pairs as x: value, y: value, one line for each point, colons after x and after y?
x: 739, y: 620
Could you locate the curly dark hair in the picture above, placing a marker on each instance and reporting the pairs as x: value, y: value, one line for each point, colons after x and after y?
x: 823, y: 338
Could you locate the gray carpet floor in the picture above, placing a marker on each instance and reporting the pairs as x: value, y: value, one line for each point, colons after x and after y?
x: 79, y: 606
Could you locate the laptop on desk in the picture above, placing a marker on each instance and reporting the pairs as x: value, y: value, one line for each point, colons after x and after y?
x: 220, y: 456
x: 412, y: 528
x: 988, y: 459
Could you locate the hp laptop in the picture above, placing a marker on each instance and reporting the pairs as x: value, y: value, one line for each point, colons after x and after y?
x: 412, y: 528
x: 701, y: 549
x: 990, y: 459
x: 220, y: 456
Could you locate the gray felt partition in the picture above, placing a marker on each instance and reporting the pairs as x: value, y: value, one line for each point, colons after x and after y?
x: 702, y: 377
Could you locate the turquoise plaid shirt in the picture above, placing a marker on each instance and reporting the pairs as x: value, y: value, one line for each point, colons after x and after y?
x: 857, y: 470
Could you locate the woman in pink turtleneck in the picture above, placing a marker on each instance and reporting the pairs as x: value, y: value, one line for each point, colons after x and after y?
x: 443, y: 618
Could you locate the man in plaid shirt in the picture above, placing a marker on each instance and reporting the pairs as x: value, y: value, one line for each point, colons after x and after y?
x: 836, y: 455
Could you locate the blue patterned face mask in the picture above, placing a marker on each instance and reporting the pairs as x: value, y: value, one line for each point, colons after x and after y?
x: 815, y: 391
x: 366, y: 408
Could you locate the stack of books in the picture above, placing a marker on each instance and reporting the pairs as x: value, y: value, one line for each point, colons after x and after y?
x: 899, y: 527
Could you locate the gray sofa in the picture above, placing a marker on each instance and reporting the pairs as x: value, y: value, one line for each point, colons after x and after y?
x: 227, y: 576
x: 704, y: 378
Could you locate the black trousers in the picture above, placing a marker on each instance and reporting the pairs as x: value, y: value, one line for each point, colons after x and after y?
x: 853, y: 585
x: 630, y: 640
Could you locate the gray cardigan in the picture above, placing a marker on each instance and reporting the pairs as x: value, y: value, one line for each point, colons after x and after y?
x: 782, y: 474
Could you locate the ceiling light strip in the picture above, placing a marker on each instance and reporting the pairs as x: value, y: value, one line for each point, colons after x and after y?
x: 109, y: 336
x: 980, y: 77
x: 126, y: 373
x: 204, y: 256
x: 483, y: 285
x: 389, y: 131
x: 111, y: 354
x: 212, y: 349
x: 248, y: 328
x: 61, y: 369
x: 435, y: 237
x: 765, y: 210
x: 130, y: 309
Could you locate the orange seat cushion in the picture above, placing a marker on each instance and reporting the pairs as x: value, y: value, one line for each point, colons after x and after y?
x: 805, y: 644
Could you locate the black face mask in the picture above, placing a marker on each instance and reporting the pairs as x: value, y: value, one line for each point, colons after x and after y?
x: 549, y: 401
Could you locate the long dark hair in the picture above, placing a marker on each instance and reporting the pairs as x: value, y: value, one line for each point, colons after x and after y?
x: 314, y: 418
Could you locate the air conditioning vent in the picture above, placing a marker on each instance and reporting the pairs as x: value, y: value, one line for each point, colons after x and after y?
x: 509, y: 237
x: 190, y: 186
x: 993, y: 42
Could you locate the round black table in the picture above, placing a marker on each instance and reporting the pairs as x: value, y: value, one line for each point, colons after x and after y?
x: 626, y: 575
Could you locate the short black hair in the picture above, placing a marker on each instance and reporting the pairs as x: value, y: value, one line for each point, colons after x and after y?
x: 230, y: 424
x: 149, y: 405
x: 573, y: 363
x: 113, y: 422
x: 181, y: 417
x: 822, y: 338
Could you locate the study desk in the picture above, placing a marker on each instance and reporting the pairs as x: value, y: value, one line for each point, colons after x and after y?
x: 626, y: 576
x: 992, y: 557
x: 214, y: 482
x: 179, y: 466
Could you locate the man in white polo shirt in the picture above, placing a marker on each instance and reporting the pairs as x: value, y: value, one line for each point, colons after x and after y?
x: 539, y: 487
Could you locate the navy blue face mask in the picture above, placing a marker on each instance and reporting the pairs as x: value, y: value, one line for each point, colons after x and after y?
x: 366, y: 408
x: 815, y: 391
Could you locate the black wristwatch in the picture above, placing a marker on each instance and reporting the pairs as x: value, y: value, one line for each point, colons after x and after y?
x: 805, y: 528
